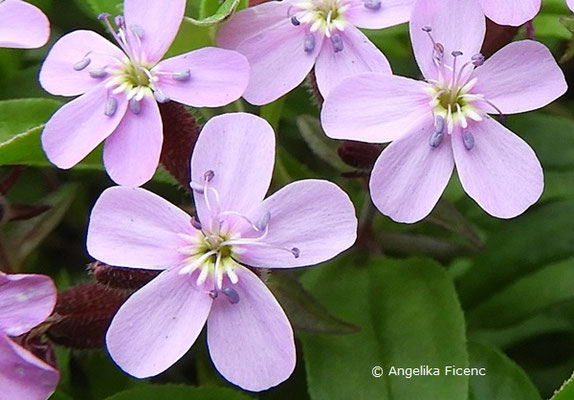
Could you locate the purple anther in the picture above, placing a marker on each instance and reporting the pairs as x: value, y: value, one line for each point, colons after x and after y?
x: 160, y: 97
x: 111, y: 106
x: 295, y: 21
x: 436, y: 139
x: 82, y: 64
x: 296, y: 252
x: 372, y: 4
x: 120, y: 21
x: 135, y: 106
x: 103, y: 16
x: 426, y: 29
x: 264, y: 221
x: 468, y: 140
x: 477, y: 59
x: 209, y: 175
x: 195, y: 223
x: 456, y: 53
x: 337, y: 42
x: 97, y: 73
x: 213, y: 294
x: 309, y: 45
x: 231, y: 294
x: 181, y: 76
x: 439, y: 124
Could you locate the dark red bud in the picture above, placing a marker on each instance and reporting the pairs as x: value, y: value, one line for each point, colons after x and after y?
x: 41, y: 348
x: 180, y: 132
x: 18, y: 212
x: 121, y: 278
x: 497, y: 36
x: 359, y: 155
x: 313, y: 89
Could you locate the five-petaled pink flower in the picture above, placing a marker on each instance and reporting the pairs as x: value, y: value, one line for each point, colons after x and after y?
x: 445, y: 120
x: 284, y: 39
x: 513, y: 12
x: 23, y: 26
x: 120, y: 88
x: 25, y: 301
x: 209, y: 262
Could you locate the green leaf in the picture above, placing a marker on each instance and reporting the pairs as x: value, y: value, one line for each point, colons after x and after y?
x: 112, y: 7
x: 504, y: 378
x: 20, y: 116
x: 411, y: 317
x: 566, y: 392
x: 211, y: 12
x: 272, y: 112
x: 418, y: 321
x: 552, y: 284
x: 319, y: 143
x: 303, y: 310
x: 189, y: 37
x: 179, y: 392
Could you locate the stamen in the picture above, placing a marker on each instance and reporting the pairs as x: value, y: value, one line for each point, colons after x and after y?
x: 209, y: 175
x: 438, y: 48
x: 295, y: 21
x: 337, y: 43
x: 181, y: 76
x: 264, y: 221
x: 439, y: 124
x: 120, y: 21
x: 296, y: 252
x: 309, y: 45
x: 436, y: 139
x: 213, y: 294
x: 373, y: 4
x: 195, y: 223
x: 98, y: 73
x: 468, y: 140
x: 231, y: 294
x: 477, y: 59
x: 137, y: 30
x: 160, y: 97
x: 135, y: 106
x: 82, y: 64
x: 111, y: 106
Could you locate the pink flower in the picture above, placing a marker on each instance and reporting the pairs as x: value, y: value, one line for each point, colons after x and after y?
x: 23, y: 26
x: 284, y: 39
x: 514, y: 12
x: 120, y: 88
x: 209, y: 263
x: 25, y: 301
x: 444, y: 120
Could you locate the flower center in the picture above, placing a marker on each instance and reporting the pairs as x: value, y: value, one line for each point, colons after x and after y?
x: 452, y: 99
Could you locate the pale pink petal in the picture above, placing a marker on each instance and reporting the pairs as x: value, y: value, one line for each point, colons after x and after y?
x: 251, y: 342
x: 316, y: 217
x: 239, y: 149
x: 410, y: 175
x: 158, y: 23
x: 217, y: 77
x: 570, y: 4
x: 250, y: 21
x: 158, y: 324
x: 501, y: 172
x: 278, y: 61
x: 23, y: 26
x: 459, y: 25
x: 131, y: 153
x: 22, y: 375
x: 511, y: 12
x: 523, y: 76
x: 58, y: 75
x: 25, y: 301
x: 391, y: 12
x: 80, y: 126
x: 358, y: 55
x: 374, y: 107
x: 131, y: 227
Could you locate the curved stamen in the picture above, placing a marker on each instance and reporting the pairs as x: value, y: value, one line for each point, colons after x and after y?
x: 111, y: 106
x: 82, y: 64
x: 231, y: 294
x: 468, y: 140
x: 255, y: 242
x: 337, y: 43
x: 309, y: 44
x: 97, y: 73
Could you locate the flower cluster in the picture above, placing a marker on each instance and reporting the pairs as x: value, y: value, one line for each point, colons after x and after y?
x: 210, y: 265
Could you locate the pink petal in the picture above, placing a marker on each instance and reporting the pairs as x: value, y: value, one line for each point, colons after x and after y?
x: 58, y: 75
x: 314, y: 216
x: 570, y: 4
x: 158, y: 22
x: 459, y: 25
x: 374, y: 107
x: 278, y: 61
x: 24, y: 376
x: 131, y: 227
x: 358, y: 55
x: 23, y: 26
x: 240, y: 150
x: 501, y: 172
x: 131, y: 153
x: 392, y: 12
x: 80, y: 126
x: 251, y: 343
x: 250, y: 21
x: 511, y: 12
x: 158, y: 324
x: 410, y: 175
x: 511, y: 78
x: 25, y: 301
x: 218, y: 77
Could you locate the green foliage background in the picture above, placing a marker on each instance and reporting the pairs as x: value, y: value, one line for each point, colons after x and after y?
x: 460, y: 288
